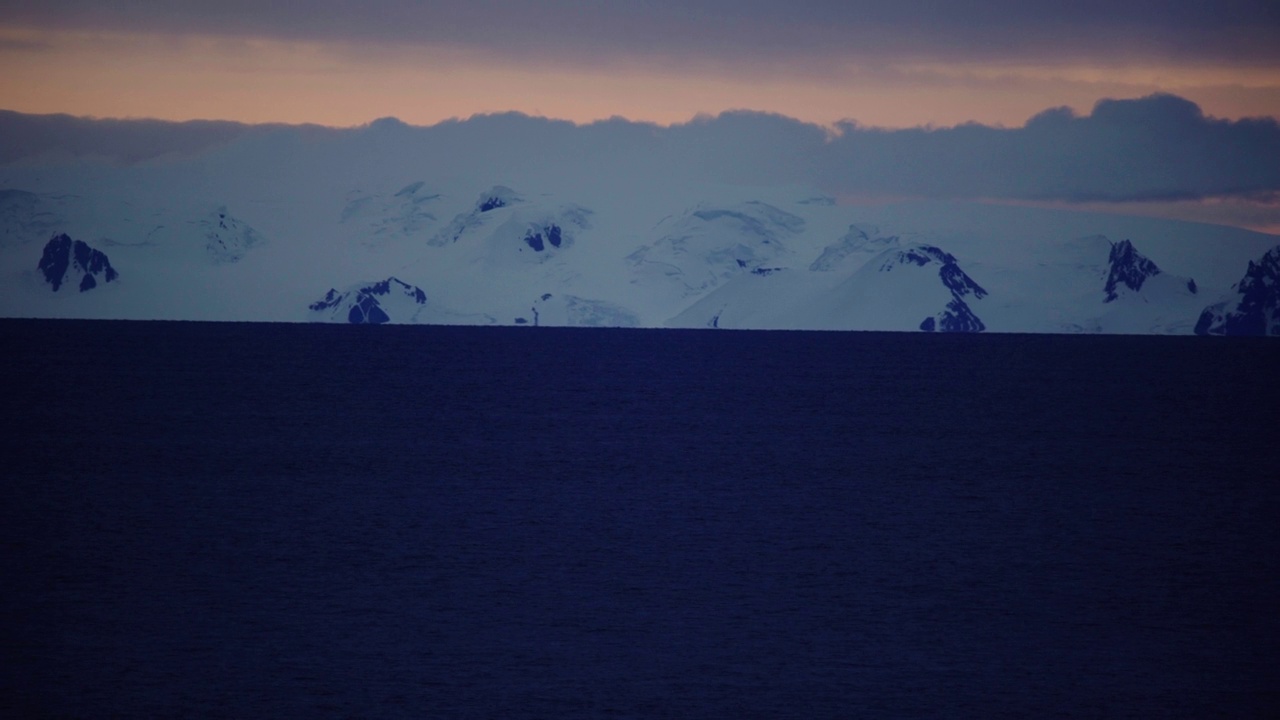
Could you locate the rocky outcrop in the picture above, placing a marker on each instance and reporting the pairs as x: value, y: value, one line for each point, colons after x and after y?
x: 533, y: 237
x: 74, y: 262
x: 1128, y: 268
x: 498, y: 196
x: 391, y: 300
x: 956, y: 318
x: 1254, y: 309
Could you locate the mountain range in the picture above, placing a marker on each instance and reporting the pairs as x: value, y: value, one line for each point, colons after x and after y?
x: 368, y: 229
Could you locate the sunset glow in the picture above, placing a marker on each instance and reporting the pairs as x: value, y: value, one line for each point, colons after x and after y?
x: 261, y: 79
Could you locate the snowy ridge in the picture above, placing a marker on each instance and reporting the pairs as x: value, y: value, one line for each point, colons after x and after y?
x: 497, y: 197
x: 917, y: 287
x: 537, y: 234
x: 377, y: 218
x: 390, y: 300
x: 572, y: 311
x: 27, y: 216
x: 710, y: 244
x: 1254, y: 308
x: 858, y: 241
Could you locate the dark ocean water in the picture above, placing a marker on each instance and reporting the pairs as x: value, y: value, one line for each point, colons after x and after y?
x: 243, y: 520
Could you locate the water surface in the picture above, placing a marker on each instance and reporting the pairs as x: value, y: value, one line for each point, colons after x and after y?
x: 254, y: 520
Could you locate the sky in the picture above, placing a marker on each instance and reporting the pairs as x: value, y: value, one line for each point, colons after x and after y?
x: 967, y: 68
x: 886, y: 63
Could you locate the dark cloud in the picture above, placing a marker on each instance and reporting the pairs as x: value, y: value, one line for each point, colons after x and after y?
x: 29, y: 136
x: 761, y: 32
x: 1158, y: 148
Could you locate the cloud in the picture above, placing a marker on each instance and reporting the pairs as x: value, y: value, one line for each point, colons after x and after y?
x: 1160, y: 147
x: 28, y: 136
x: 1157, y: 148
x: 757, y: 33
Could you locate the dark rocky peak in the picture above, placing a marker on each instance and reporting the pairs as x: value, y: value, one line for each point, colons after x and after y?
x: 373, y: 304
x: 1128, y: 268
x: 65, y: 261
x: 385, y: 287
x: 367, y: 311
x: 539, y: 237
x: 1255, y: 307
x: 957, y: 317
x: 924, y: 254
x: 958, y: 282
x: 949, y: 271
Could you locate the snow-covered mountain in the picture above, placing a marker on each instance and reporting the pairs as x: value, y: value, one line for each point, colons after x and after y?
x: 227, y: 238
x: 917, y: 287
x: 27, y: 216
x: 376, y: 218
x: 1129, y: 269
x: 603, y: 237
x: 859, y: 241
x: 390, y: 300
x: 479, y: 216
x: 1141, y: 298
x: 1254, y: 307
x: 708, y: 245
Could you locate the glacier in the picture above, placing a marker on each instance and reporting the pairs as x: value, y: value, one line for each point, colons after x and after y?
x: 273, y: 228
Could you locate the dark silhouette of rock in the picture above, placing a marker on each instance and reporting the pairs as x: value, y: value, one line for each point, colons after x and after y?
x: 534, y: 238
x: 364, y: 303
x: 956, y: 318
x: 1129, y: 268
x: 65, y: 259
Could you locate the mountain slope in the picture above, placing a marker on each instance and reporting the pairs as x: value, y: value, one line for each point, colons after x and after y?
x: 1254, y: 308
x: 917, y: 287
